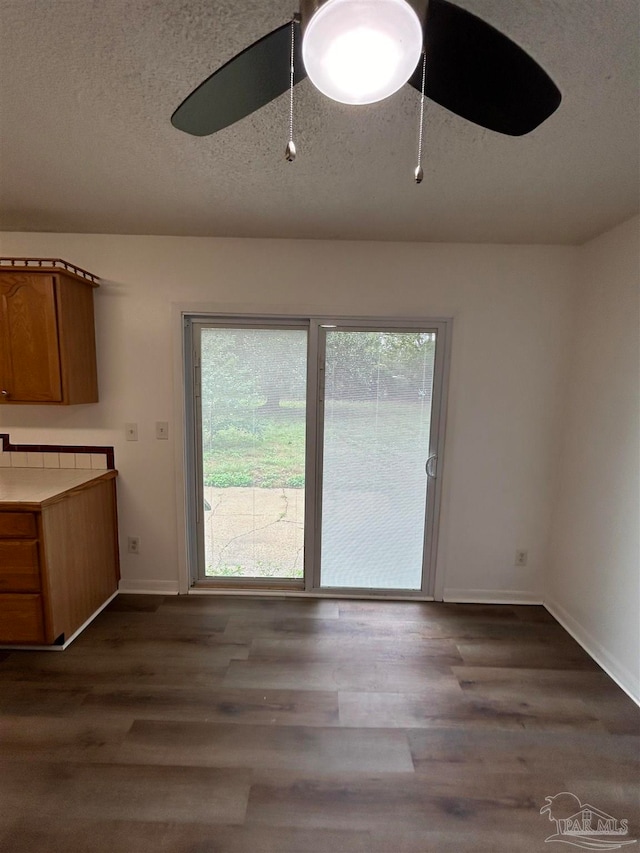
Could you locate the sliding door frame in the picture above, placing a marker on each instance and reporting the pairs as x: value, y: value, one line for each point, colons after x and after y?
x: 191, y: 325
x: 442, y: 330
x: 195, y: 484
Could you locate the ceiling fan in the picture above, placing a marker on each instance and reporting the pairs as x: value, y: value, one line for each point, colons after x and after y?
x: 360, y: 51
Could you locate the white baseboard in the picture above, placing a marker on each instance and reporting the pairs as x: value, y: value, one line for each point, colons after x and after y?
x: 149, y: 587
x: 491, y: 596
x: 623, y: 677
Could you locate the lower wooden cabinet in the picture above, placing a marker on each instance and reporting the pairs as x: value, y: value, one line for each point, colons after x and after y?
x: 58, y: 563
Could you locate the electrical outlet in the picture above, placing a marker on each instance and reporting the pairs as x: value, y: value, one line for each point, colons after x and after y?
x: 521, y: 558
x: 162, y: 429
x: 134, y: 545
x: 131, y: 432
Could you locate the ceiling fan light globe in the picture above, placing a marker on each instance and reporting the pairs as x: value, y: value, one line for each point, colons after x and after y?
x: 361, y: 51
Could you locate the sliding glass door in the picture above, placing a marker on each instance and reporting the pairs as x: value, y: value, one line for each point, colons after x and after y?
x: 252, y: 449
x: 313, y: 455
x: 376, y: 423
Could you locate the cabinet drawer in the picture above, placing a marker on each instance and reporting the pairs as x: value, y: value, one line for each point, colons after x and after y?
x: 19, y: 570
x: 21, y: 618
x: 18, y: 525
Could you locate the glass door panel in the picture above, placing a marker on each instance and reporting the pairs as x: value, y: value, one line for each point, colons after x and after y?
x: 376, y: 421
x: 253, y: 426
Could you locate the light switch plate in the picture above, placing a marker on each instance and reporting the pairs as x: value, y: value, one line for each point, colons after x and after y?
x: 162, y: 429
x: 131, y: 432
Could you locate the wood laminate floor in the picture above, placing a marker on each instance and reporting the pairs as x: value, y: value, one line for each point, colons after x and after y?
x: 234, y: 725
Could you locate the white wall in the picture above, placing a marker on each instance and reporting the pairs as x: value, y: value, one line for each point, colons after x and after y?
x: 512, y: 309
x: 594, y: 578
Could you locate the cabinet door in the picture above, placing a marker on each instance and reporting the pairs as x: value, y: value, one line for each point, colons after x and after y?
x: 21, y: 619
x: 29, y: 356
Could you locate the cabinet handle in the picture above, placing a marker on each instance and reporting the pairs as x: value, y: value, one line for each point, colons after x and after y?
x: 4, y: 393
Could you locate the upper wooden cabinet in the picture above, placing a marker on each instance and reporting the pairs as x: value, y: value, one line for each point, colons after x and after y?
x: 47, y: 336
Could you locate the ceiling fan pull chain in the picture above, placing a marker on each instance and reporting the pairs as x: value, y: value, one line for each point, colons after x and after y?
x: 290, y: 153
x: 418, y: 173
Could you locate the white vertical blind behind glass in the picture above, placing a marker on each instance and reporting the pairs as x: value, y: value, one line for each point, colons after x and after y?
x: 377, y: 410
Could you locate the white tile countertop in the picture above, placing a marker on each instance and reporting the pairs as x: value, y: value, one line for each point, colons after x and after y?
x: 39, y: 485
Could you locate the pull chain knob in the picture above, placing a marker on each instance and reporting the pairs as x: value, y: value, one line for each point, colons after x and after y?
x: 290, y: 153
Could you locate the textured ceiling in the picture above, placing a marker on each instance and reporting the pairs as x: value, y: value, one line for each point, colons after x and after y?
x: 87, y: 88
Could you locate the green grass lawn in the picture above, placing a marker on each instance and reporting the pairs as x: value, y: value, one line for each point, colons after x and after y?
x: 267, y: 454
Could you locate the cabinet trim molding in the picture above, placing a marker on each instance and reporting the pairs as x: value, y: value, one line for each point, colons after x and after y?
x: 51, y: 265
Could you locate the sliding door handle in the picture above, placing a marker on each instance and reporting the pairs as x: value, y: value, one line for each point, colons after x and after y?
x: 430, y: 467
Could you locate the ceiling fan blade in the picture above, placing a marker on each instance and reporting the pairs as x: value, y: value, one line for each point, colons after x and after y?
x: 481, y: 75
x: 247, y: 82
